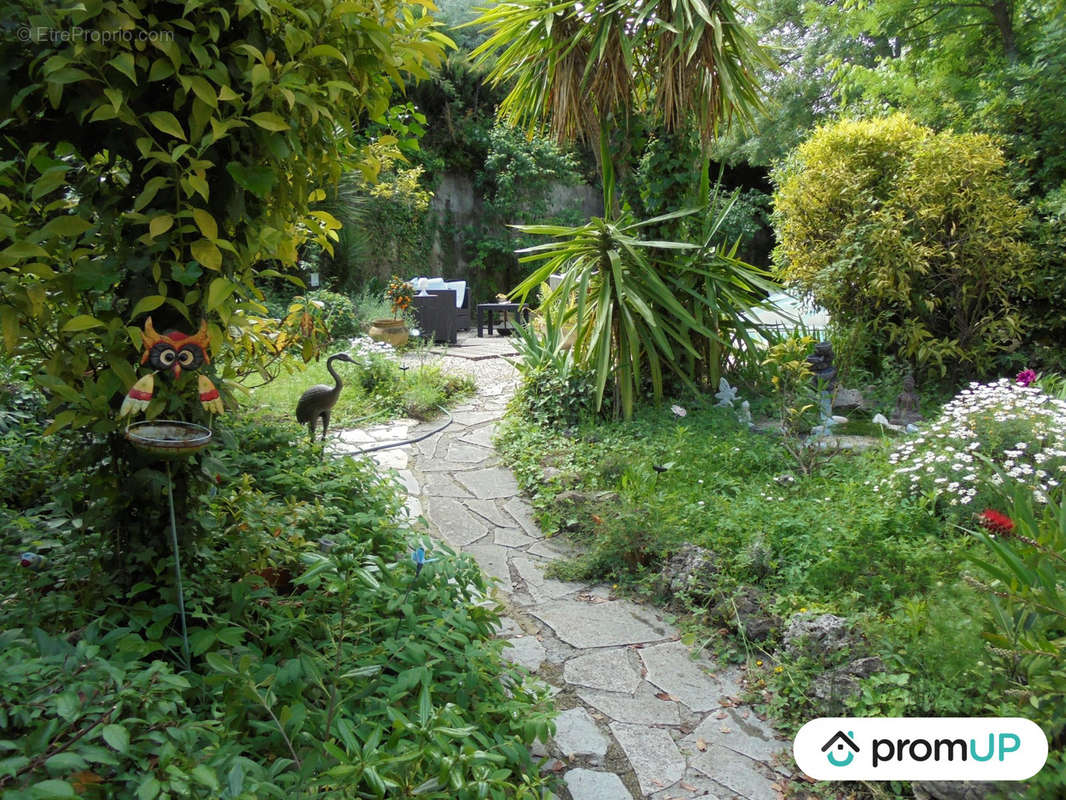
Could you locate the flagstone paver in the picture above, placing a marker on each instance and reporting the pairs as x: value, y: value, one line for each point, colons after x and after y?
x: 653, y: 755
x: 649, y: 721
x: 585, y: 625
x: 577, y: 734
x: 670, y: 667
x: 489, y: 484
x: 525, y: 651
x: 585, y: 784
x: 609, y: 670
x: 641, y: 708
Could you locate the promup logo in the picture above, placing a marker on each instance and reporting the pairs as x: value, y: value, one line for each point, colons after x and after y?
x: 840, y: 740
x: 899, y: 748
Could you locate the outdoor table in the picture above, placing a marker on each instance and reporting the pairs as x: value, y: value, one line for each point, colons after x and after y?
x: 489, y: 309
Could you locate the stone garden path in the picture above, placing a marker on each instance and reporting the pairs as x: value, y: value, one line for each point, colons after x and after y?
x: 639, y: 717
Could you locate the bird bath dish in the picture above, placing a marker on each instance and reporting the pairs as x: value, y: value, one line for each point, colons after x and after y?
x: 168, y: 438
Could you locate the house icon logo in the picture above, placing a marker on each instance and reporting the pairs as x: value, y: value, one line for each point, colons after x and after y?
x: 837, y: 743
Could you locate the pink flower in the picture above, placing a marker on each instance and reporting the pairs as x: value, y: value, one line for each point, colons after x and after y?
x: 1025, y: 377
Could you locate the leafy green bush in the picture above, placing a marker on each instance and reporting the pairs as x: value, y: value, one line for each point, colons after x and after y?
x: 554, y: 391
x: 90, y: 719
x: 934, y: 642
x: 339, y: 315
x: 1025, y: 570
x: 358, y: 675
x: 167, y: 171
x: 913, y: 233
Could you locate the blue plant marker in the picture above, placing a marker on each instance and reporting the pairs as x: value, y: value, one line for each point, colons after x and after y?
x: 419, y: 557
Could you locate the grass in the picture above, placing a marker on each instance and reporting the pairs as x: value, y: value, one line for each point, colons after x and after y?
x: 281, y: 395
x: 826, y: 540
x: 374, y: 389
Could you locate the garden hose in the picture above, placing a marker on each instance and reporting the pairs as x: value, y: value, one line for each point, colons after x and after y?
x: 415, y: 440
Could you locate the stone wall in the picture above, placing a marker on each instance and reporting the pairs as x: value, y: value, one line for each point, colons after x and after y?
x: 456, y: 204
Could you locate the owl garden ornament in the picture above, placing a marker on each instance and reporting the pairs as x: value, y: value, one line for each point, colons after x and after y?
x: 172, y: 351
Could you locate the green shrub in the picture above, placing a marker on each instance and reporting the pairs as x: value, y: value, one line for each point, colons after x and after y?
x: 935, y: 642
x: 555, y: 390
x: 911, y: 233
x: 20, y: 401
x: 358, y: 676
x: 90, y: 719
x: 338, y: 311
x: 1024, y: 566
x: 377, y: 369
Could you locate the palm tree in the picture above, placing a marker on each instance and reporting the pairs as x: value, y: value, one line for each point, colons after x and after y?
x: 578, y: 65
x: 583, y: 68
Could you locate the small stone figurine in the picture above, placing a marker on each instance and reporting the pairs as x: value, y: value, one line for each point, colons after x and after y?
x: 907, y: 411
x: 821, y: 362
x: 744, y: 415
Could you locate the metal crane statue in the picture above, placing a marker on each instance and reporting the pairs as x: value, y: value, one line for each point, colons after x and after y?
x: 318, y: 401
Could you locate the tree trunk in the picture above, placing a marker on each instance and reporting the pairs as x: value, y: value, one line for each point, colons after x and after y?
x: 1003, y: 13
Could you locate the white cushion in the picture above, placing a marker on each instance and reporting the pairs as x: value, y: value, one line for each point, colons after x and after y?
x: 440, y: 283
x: 460, y: 291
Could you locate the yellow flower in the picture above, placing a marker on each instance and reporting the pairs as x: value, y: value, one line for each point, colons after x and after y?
x: 758, y: 663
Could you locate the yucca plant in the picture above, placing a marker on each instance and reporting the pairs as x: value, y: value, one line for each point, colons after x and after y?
x: 636, y: 306
x: 624, y: 315
x: 720, y: 290
x: 578, y: 64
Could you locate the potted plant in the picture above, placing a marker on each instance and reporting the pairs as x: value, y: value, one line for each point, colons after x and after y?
x: 394, y: 331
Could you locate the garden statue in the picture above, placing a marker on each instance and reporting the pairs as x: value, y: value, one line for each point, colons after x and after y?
x: 318, y: 401
x: 907, y: 411
x: 821, y: 365
x: 744, y: 415
x: 726, y: 394
x: 172, y: 351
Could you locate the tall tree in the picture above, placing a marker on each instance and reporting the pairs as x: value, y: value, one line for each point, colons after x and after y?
x: 637, y: 307
x: 989, y: 66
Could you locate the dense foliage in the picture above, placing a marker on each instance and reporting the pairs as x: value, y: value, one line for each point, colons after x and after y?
x: 164, y: 171
x: 578, y: 69
x: 909, y: 236
x: 325, y: 662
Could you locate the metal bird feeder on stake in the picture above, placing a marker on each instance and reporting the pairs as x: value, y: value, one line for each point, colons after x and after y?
x: 172, y: 439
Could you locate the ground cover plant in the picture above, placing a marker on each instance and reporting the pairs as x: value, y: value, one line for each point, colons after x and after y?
x: 947, y: 614
x: 332, y: 655
x: 988, y: 434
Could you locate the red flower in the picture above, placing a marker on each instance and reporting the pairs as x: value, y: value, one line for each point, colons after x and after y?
x: 995, y: 522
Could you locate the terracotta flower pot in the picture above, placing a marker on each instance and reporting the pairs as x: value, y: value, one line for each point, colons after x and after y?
x: 392, y: 331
